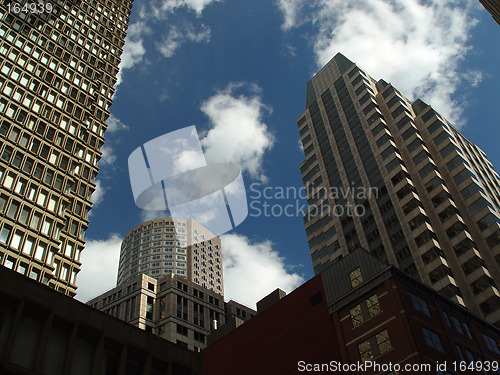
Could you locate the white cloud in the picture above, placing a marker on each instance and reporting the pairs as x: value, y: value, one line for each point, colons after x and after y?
x: 133, y: 50
x: 253, y: 270
x: 291, y: 10
x: 98, y: 193
x: 108, y: 155
x: 238, y: 134
x: 474, y: 78
x: 291, y: 50
x: 147, y: 215
x: 187, y: 160
x: 171, y: 5
x: 416, y: 46
x: 114, y: 124
x: 99, y: 267
x: 179, y: 35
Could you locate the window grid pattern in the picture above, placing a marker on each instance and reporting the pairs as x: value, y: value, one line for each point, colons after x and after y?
x: 166, y: 246
x: 57, y: 72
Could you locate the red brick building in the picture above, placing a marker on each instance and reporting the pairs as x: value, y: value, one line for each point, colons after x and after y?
x: 297, y: 327
x: 359, y: 312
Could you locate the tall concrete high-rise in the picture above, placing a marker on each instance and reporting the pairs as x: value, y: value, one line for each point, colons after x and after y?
x: 394, y: 177
x: 170, y: 283
x: 58, y: 66
x: 172, y: 246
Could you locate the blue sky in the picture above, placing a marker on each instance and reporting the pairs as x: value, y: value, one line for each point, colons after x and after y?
x: 239, y: 72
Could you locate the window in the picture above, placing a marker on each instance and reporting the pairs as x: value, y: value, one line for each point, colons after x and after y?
x: 28, y: 246
x: 64, y: 272
x: 428, y: 168
x: 315, y: 299
x: 467, y: 330
x: 440, y: 138
x: 69, y: 250
x: 447, y: 150
x: 181, y: 330
x: 447, y: 319
x: 432, y: 339
x: 383, y: 342
x: 403, y: 122
x: 34, y: 274
x: 16, y: 239
x: 365, y: 351
x: 9, y: 262
x: 420, y: 157
x: 356, y: 315
x: 420, y: 304
x: 42, y: 196
x: 454, y: 163
x: 457, y: 325
x: 13, y: 208
x: 40, y: 250
x: 382, y: 140
x: 375, y: 346
x: 435, y: 126
x: 491, y: 343
x: 355, y: 277
x: 373, y: 305
x: 365, y: 310
x: 409, y: 133
x: 199, y: 337
x: 47, y: 223
x: 478, y: 205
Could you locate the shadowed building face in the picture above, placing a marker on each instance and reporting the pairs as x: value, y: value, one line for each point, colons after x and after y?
x: 394, y: 177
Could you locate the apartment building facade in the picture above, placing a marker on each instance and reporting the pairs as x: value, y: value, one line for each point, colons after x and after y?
x: 396, y: 178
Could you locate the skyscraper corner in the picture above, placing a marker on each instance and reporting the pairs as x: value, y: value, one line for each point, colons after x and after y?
x: 396, y: 178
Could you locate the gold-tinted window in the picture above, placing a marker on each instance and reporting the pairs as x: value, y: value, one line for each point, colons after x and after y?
x: 375, y: 346
x: 356, y: 315
x: 373, y: 305
x: 356, y: 277
x: 383, y: 342
x: 365, y: 351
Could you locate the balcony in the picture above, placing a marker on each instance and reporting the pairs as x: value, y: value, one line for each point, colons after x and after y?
x: 471, y: 253
x: 444, y: 282
x: 458, y: 300
x: 428, y: 245
x: 487, y: 294
x: 479, y: 272
x: 415, y: 212
x: 439, y: 261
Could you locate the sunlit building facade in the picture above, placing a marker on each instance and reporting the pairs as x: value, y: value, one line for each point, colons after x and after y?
x: 170, y: 306
x: 172, y: 246
x: 396, y: 178
x: 58, y: 66
x: 170, y: 282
